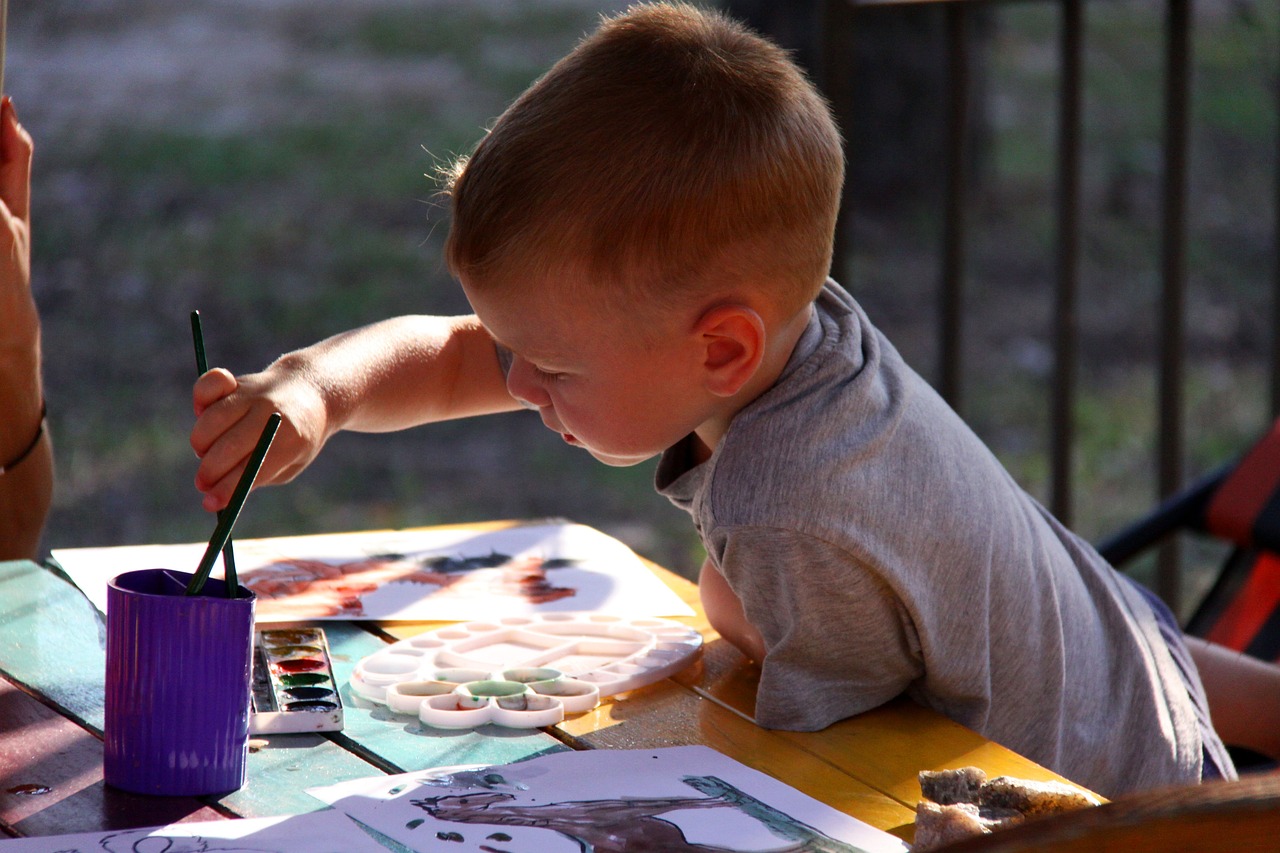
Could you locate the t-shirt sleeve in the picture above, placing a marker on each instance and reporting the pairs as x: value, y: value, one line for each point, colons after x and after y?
x: 838, y: 641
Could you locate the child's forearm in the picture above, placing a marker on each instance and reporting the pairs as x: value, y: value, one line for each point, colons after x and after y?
x: 1243, y: 694
x: 390, y: 375
x: 404, y: 372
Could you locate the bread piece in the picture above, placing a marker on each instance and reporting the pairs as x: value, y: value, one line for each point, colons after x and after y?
x: 937, y: 825
x: 1033, y: 798
x: 948, y: 787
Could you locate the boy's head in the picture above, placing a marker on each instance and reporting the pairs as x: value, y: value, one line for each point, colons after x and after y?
x: 672, y: 158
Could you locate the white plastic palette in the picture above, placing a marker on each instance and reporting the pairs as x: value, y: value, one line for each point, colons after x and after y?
x: 523, y: 671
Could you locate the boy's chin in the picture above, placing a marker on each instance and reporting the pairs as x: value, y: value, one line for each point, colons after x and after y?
x: 619, y: 461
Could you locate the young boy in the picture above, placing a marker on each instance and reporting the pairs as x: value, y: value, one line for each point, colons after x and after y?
x: 645, y: 236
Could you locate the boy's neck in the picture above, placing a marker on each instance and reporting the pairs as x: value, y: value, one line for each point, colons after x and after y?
x: 781, y: 344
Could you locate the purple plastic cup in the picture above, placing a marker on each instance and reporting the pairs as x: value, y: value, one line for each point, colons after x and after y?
x: 179, y: 672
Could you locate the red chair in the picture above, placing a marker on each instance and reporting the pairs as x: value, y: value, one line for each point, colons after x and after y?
x: 1239, y: 504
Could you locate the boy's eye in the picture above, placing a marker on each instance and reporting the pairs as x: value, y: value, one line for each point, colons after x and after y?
x: 546, y: 374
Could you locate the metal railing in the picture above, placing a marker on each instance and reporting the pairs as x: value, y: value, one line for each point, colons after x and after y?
x: 840, y: 17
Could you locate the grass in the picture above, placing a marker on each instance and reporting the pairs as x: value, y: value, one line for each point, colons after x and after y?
x: 321, y: 220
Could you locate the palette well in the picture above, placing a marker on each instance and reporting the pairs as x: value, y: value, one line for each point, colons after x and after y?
x: 549, y: 664
x: 293, y: 685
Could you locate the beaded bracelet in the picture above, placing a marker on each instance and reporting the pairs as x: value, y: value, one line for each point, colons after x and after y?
x: 26, y: 451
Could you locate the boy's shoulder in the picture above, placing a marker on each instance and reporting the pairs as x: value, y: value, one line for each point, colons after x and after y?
x: 847, y: 422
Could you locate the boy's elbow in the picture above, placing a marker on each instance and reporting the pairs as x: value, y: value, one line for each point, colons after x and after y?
x: 745, y: 638
x: 726, y: 615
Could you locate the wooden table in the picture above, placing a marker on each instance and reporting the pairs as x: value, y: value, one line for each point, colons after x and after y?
x: 51, y: 713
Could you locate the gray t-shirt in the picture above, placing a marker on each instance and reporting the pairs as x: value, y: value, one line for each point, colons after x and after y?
x: 881, y: 549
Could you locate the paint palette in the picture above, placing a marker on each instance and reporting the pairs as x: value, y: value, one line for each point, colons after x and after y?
x: 293, y: 685
x: 515, y: 698
x: 523, y: 671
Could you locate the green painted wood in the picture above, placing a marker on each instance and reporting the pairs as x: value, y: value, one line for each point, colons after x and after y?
x: 402, y: 742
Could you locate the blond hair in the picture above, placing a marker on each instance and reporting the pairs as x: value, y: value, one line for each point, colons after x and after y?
x: 673, y: 151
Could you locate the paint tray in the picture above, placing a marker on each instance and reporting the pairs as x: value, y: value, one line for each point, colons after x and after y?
x: 293, y: 685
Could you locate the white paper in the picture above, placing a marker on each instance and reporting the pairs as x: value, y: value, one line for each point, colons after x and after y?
x: 552, y: 568
x: 318, y: 832
x: 604, y: 800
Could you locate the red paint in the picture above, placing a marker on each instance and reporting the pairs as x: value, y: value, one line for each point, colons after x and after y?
x: 300, y: 665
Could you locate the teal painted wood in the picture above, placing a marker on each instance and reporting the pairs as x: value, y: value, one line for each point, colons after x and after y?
x: 402, y: 742
x: 51, y: 639
x: 279, y: 772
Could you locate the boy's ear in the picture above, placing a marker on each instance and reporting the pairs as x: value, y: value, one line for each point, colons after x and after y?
x: 731, y: 346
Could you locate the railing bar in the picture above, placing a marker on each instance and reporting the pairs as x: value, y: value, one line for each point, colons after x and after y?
x: 1062, y: 429
x: 836, y: 81
x: 1173, y: 276
x: 952, y: 285
x: 1275, y: 296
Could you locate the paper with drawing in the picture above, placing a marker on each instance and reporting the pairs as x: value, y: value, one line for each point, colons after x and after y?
x: 688, y: 799
x: 450, y: 574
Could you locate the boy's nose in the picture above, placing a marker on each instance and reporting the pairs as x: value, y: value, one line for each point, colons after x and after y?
x: 522, y: 385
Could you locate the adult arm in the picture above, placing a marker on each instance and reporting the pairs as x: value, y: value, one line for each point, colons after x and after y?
x: 26, y: 486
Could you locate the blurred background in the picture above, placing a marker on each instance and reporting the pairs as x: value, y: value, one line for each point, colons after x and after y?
x: 269, y: 163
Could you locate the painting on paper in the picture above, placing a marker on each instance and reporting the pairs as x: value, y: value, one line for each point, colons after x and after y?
x: 455, y: 573
x: 687, y: 799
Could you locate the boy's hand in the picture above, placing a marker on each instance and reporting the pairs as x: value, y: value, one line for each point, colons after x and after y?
x: 230, y: 414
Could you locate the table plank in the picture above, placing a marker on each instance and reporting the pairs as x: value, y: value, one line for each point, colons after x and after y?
x: 40, y: 749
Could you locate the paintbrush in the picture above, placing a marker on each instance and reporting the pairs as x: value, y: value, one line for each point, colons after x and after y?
x: 227, y: 518
x: 202, y: 367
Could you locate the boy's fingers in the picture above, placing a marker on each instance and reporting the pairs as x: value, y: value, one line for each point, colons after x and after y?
x: 15, y: 162
x: 227, y: 443
x: 212, y: 387
x: 217, y: 497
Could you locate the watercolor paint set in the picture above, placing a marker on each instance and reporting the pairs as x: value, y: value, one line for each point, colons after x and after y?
x: 293, y: 685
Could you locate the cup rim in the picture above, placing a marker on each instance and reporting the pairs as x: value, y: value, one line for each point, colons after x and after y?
x: 122, y: 583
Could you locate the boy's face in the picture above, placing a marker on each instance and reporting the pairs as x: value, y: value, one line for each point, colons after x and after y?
x: 593, y: 377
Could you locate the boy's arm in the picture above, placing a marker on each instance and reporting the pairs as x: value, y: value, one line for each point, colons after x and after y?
x: 724, y: 612
x: 390, y: 375
x: 1243, y: 694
